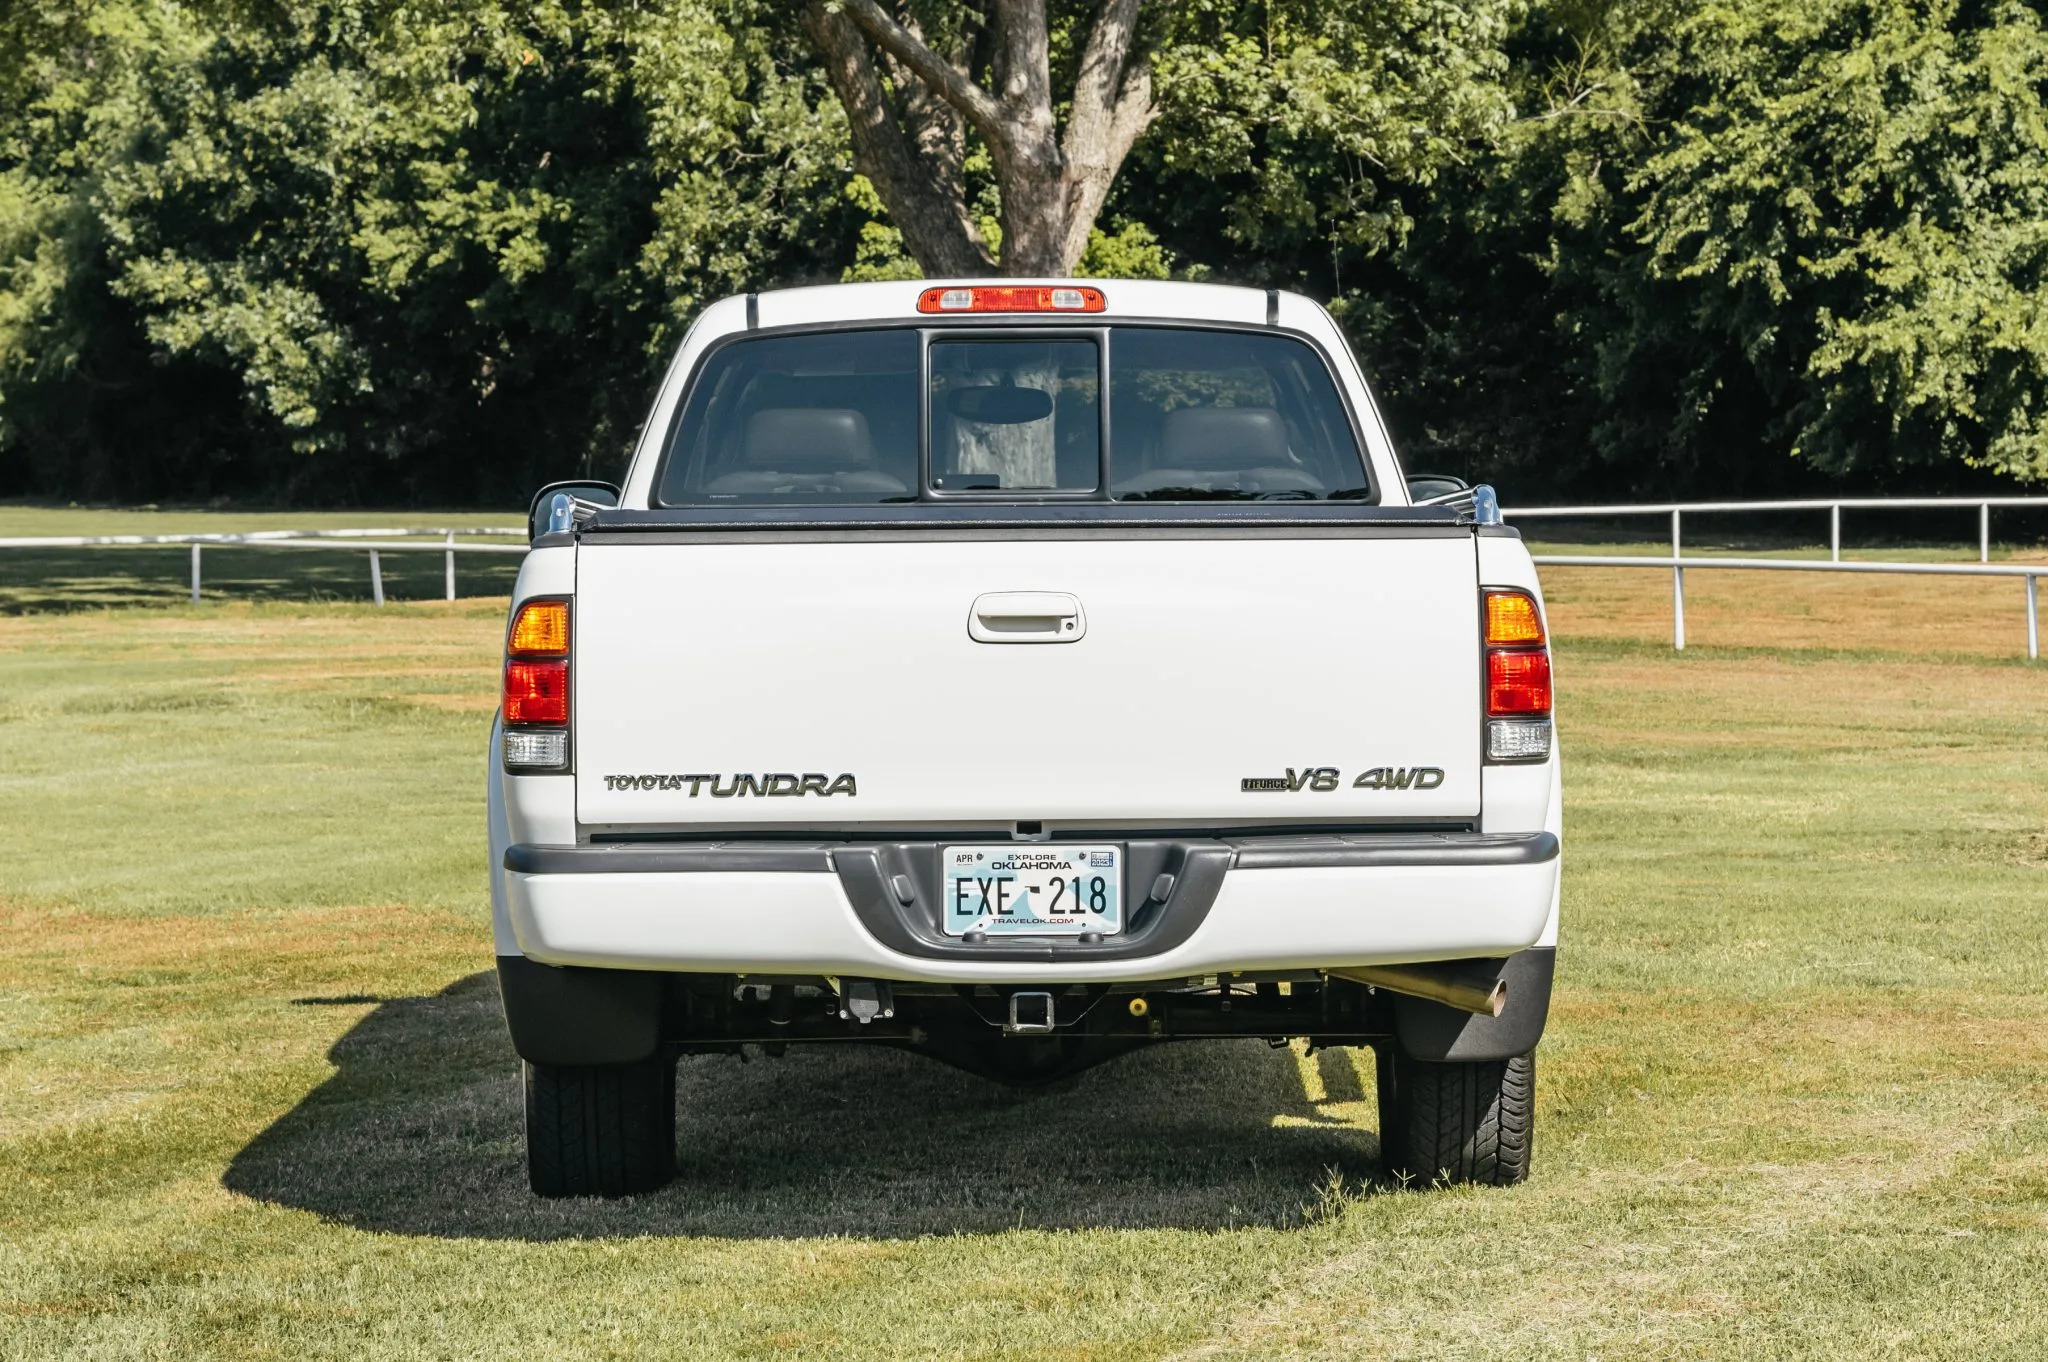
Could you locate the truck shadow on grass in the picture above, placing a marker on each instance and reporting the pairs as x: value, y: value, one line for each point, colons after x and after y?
x: 418, y: 1132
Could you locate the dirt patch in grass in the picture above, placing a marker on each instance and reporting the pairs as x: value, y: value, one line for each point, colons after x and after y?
x: 2032, y: 850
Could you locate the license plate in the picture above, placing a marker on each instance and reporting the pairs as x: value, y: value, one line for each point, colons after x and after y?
x: 1034, y: 889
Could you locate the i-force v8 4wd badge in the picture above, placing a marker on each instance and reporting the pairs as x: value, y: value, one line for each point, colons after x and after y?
x: 1324, y: 779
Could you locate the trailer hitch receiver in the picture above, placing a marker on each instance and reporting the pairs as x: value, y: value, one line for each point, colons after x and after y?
x: 1031, y: 1014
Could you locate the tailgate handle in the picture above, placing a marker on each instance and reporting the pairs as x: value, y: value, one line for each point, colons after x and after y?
x: 1026, y: 617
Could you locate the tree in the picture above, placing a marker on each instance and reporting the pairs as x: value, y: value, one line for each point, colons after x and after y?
x: 375, y: 252
x: 1857, y: 193
x: 910, y: 135
x: 379, y: 252
x: 1745, y: 248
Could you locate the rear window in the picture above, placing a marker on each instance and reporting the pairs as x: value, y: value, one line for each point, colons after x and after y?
x: 870, y: 416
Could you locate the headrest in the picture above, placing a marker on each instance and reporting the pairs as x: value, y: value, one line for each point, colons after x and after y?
x: 1222, y: 437
x: 808, y: 439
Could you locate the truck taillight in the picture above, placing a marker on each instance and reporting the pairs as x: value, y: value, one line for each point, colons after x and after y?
x: 536, y: 691
x: 1012, y: 298
x: 540, y: 629
x: 1518, y: 682
x: 1518, y: 691
x: 1512, y: 619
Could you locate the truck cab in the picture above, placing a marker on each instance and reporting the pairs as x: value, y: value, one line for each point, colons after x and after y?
x: 1021, y: 673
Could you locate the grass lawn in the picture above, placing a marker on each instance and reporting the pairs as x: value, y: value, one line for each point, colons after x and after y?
x: 256, y: 1101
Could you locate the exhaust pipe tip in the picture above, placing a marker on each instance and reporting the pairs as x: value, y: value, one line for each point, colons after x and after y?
x: 1481, y: 999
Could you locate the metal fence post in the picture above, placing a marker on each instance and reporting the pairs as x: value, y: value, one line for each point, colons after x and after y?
x: 376, y: 578
x: 1678, y: 608
x: 1984, y: 534
x: 1835, y: 532
x: 1674, y: 532
x: 195, y: 574
x: 2033, y: 615
x: 451, y: 565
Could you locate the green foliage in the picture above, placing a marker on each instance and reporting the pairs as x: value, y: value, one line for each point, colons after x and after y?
x: 1862, y: 187
x: 879, y: 252
x: 1130, y: 252
x: 440, y: 252
x: 1287, y: 130
x: 361, y: 250
x: 1739, y: 248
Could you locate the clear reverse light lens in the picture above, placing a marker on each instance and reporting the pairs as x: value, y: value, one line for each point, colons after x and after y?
x: 1517, y: 739
x: 536, y: 751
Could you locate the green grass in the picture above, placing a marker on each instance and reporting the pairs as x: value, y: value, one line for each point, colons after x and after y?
x: 256, y: 1101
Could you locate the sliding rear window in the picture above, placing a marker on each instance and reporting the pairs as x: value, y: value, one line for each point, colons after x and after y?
x: 862, y: 417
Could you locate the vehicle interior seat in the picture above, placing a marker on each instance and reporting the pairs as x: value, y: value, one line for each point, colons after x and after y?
x: 1227, y: 448
x: 826, y: 449
x: 1078, y: 456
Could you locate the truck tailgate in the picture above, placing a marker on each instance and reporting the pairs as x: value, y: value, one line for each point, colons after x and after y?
x: 728, y: 683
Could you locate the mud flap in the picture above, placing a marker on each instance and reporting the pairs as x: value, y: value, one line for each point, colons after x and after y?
x: 1431, y: 1031
x: 569, y: 1015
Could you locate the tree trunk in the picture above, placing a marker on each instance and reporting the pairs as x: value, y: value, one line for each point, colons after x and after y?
x: 1053, y: 182
x: 918, y: 180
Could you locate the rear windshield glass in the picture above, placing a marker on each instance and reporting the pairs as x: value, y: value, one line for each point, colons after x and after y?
x: 1016, y: 415
x: 1224, y: 414
x: 843, y: 418
x: 829, y: 417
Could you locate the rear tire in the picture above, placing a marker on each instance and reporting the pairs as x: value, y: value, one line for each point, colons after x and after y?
x: 601, y: 1129
x: 1469, y: 1122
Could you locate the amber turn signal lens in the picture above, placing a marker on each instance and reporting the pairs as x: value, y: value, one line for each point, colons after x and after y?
x: 540, y: 627
x: 1518, y: 683
x: 537, y: 692
x: 1511, y: 618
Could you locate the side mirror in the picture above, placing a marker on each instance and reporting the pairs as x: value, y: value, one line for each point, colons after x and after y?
x: 1424, y: 488
x: 554, y: 506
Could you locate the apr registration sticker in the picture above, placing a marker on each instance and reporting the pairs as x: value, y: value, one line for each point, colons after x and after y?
x: 1034, y: 889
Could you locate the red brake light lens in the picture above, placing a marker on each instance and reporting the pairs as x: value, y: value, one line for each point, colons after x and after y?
x: 1030, y: 298
x: 537, y: 692
x: 1518, y: 682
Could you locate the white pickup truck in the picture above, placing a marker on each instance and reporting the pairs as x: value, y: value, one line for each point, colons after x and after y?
x: 1021, y: 673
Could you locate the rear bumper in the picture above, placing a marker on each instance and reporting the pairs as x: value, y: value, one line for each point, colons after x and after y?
x: 863, y: 910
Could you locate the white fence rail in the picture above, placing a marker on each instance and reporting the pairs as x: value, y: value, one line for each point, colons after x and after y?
x: 1834, y: 507
x: 1677, y: 564
x: 375, y: 542
x: 450, y: 541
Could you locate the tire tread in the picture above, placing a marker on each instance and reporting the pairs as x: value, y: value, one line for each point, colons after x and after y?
x: 1457, y: 1122
x: 600, y: 1130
